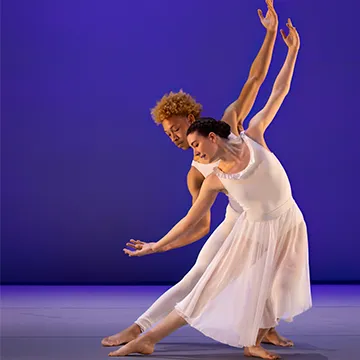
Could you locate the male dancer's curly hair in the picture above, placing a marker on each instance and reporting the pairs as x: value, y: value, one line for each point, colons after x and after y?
x: 175, y: 104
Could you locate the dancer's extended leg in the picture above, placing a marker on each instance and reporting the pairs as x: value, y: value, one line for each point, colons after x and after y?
x: 166, y: 303
x: 145, y: 344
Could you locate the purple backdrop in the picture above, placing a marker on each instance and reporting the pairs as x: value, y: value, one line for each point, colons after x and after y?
x: 84, y: 168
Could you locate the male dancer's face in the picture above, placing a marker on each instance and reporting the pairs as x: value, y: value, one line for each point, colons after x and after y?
x: 176, y: 127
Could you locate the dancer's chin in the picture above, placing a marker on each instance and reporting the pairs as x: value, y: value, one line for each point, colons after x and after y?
x: 183, y: 146
x: 212, y: 159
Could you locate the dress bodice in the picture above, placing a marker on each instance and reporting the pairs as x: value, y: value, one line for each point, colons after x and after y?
x: 263, y: 186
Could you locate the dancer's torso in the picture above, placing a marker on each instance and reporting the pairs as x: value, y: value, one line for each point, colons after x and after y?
x: 262, y: 187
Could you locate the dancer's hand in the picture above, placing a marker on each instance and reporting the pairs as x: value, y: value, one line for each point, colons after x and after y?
x: 141, y: 248
x: 270, y: 21
x: 293, y: 39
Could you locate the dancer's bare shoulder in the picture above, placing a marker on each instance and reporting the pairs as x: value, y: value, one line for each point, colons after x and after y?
x: 213, y: 183
x: 196, y: 181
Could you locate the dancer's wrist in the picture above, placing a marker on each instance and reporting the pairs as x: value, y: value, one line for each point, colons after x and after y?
x: 156, y: 248
x: 273, y: 31
x: 295, y: 51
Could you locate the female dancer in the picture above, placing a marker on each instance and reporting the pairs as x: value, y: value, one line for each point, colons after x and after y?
x: 261, y: 272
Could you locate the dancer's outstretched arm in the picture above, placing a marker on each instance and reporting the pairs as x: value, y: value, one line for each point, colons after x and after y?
x: 236, y: 113
x: 194, y: 181
x: 260, y: 122
x: 209, y: 190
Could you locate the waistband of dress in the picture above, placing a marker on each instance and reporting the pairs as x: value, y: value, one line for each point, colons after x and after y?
x: 283, y: 208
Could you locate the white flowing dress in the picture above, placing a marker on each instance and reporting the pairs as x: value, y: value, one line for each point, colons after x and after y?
x: 261, y: 272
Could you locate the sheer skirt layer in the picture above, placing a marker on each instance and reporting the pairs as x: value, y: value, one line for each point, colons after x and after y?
x: 259, y: 275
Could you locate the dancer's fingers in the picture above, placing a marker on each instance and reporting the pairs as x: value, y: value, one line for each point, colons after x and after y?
x: 131, y: 245
x: 297, y: 36
x: 136, y: 247
x: 270, y: 5
x: 127, y: 252
x: 131, y: 253
x: 136, y: 241
x: 260, y: 13
x: 273, y: 12
x: 282, y: 32
x: 294, y: 33
x: 289, y: 24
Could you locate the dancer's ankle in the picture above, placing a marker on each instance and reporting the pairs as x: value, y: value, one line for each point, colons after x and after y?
x: 136, y: 328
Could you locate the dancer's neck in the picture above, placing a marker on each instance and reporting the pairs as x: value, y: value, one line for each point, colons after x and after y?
x: 230, y: 160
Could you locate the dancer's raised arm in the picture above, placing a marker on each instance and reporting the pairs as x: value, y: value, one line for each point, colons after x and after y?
x: 281, y: 88
x: 236, y: 113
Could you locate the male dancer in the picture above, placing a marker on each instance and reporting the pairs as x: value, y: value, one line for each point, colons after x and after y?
x: 176, y: 112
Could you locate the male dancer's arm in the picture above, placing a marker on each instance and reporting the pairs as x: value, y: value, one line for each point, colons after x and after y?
x: 194, y: 181
x: 236, y: 113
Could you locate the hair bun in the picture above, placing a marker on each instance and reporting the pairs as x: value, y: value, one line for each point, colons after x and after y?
x: 206, y: 125
x: 223, y: 129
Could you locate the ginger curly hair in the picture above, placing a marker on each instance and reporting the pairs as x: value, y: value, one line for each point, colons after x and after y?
x: 175, y: 104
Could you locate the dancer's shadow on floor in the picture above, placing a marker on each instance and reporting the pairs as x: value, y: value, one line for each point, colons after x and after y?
x: 237, y: 356
x: 210, y: 351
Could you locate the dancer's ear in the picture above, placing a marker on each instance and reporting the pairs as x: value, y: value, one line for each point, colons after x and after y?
x: 212, y: 137
x: 191, y: 118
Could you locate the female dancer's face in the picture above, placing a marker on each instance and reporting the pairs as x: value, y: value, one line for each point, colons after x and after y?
x: 206, y: 148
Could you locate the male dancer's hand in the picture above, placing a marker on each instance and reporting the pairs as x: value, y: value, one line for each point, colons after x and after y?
x: 270, y: 21
x: 141, y: 248
x: 293, y: 39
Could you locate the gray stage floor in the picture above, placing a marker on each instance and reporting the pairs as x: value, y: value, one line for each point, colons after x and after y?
x: 58, y: 323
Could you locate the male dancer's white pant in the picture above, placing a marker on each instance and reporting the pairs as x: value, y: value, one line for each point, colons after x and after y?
x: 166, y: 303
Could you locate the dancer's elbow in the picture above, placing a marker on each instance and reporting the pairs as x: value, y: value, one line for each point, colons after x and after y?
x: 205, y: 231
x: 204, y: 226
x: 282, y: 90
x: 199, y: 232
x: 256, y: 80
